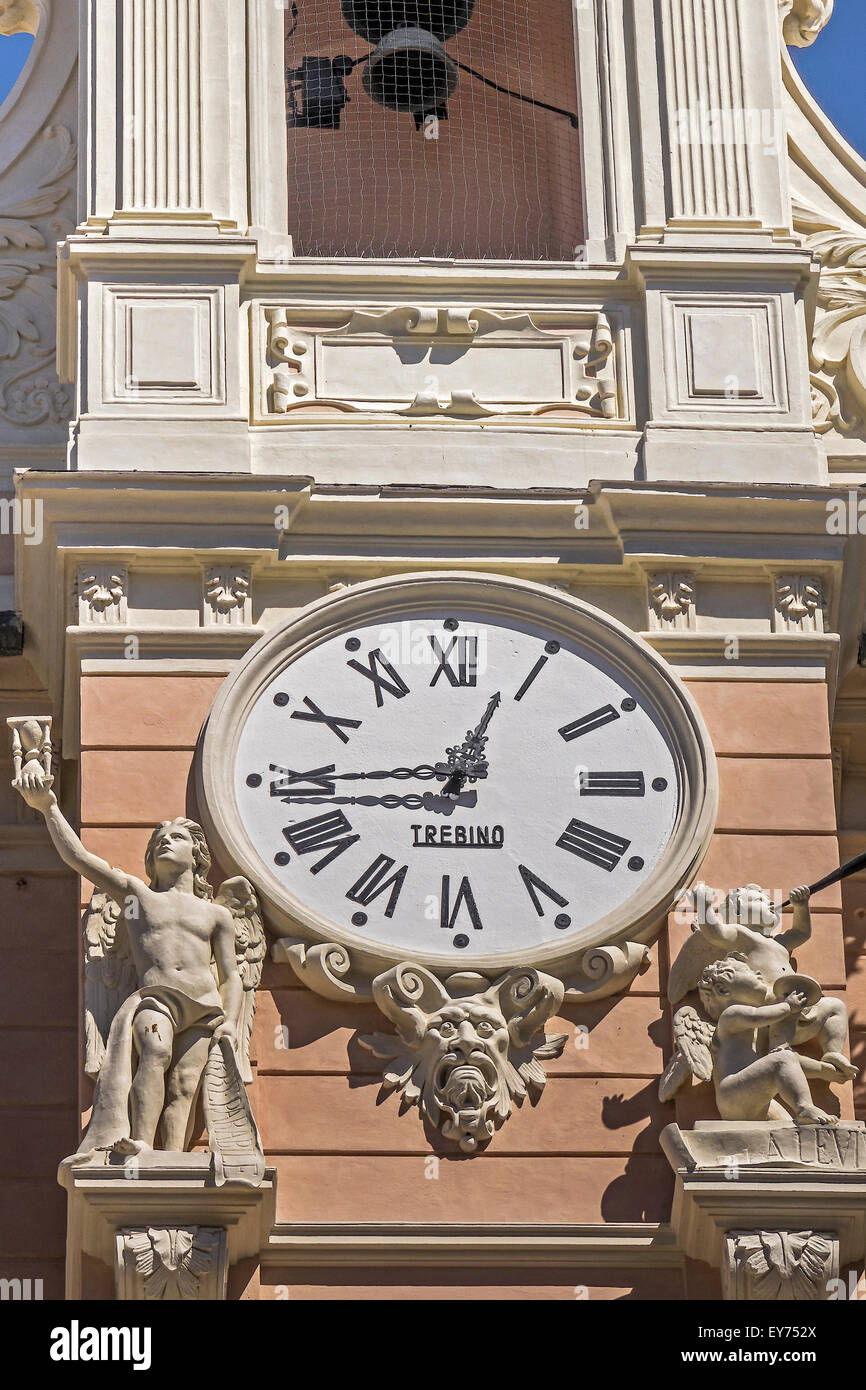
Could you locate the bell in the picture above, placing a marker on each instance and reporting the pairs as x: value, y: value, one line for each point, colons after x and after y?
x: 373, y: 19
x: 410, y: 71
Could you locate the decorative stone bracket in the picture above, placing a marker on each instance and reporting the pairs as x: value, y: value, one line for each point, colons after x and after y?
x: 778, y: 1209
x: 456, y: 362
x: 161, y: 1225
x: 779, y: 1266
x: 171, y: 1263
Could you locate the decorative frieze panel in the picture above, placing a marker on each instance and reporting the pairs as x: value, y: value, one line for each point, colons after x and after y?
x: 458, y: 362
x: 171, y: 1264
x: 779, y: 1266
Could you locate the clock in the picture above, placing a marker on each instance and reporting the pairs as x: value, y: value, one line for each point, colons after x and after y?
x: 465, y: 771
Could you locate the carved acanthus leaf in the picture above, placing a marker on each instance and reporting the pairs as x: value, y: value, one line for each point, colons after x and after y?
x: 780, y: 1266
x: 838, y: 352
x: 171, y: 1264
x: 32, y: 220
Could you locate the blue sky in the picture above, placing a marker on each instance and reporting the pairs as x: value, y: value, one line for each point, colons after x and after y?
x: 13, y: 56
x: 834, y: 68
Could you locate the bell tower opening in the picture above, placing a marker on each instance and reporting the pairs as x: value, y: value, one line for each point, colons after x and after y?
x: 443, y: 128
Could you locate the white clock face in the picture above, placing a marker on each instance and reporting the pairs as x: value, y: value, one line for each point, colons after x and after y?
x: 456, y: 783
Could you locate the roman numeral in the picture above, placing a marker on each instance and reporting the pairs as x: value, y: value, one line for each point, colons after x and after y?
x: 597, y: 846
x: 314, y: 715
x: 375, y: 881
x: 317, y: 783
x: 530, y: 679
x: 535, y: 885
x: 330, y: 831
x: 597, y: 720
x: 390, y: 682
x: 612, y: 784
x: 465, y: 897
x: 467, y: 661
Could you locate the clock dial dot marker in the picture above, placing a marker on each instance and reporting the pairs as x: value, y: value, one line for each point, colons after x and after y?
x: 451, y: 624
x: 254, y: 780
x: 629, y: 705
x: 562, y: 922
x: 660, y: 784
x: 353, y: 644
x: 552, y: 648
x: 281, y: 700
x: 359, y: 919
x: 635, y: 864
x: 282, y: 859
x: 461, y: 942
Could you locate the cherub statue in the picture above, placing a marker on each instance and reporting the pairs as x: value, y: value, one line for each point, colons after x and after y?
x: 749, y: 923
x: 171, y: 974
x: 747, y: 1045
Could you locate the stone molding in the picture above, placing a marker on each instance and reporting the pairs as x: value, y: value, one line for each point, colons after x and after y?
x: 471, y: 1246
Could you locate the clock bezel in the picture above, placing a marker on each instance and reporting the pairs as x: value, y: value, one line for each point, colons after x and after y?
x: 396, y: 598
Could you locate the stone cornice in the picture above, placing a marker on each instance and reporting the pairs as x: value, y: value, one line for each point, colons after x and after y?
x: 623, y: 1246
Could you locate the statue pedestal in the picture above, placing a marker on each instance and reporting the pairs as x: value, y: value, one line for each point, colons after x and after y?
x: 779, y: 1209
x: 162, y: 1225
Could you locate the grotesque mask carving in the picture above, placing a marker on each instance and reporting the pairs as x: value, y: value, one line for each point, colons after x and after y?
x: 465, y: 1050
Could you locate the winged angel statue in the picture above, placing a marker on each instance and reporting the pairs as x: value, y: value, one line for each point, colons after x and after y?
x: 170, y: 979
x: 756, y: 1009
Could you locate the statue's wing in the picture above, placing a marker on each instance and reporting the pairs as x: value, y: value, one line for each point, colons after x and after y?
x: 109, y: 975
x: 693, y: 1058
x: 695, y: 955
x: 239, y: 896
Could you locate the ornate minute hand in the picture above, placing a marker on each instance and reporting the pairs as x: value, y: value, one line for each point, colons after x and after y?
x: 468, y: 763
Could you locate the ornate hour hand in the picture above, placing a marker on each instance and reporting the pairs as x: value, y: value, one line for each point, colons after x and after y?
x: 322, y: 781
x: 468, y: 763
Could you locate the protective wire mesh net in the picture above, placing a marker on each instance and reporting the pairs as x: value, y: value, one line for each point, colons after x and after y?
x: 499, y: 178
